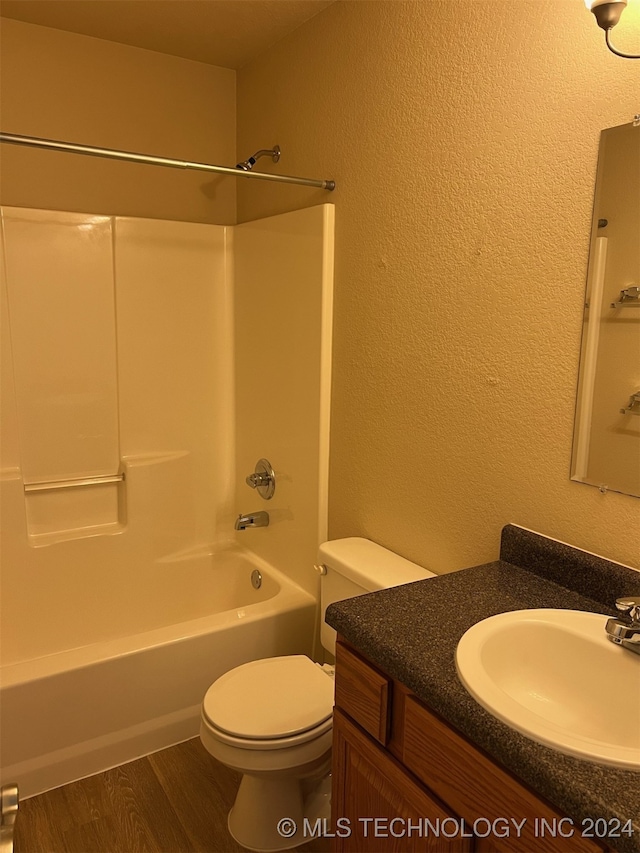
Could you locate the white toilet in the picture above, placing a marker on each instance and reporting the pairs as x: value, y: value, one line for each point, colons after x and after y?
x: 271, y: 719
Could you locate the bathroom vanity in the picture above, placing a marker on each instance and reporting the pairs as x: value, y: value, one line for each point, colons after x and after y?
x: 411, y: 744
x: 408, y: 765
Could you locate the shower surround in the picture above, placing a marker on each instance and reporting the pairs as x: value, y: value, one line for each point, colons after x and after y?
x: 160, y: 359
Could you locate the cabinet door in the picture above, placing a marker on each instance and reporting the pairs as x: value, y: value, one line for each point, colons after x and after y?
x: 480, y: 790
x: 377, y: 807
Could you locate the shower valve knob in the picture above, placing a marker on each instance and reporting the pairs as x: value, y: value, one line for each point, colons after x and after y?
x: 263, y: 479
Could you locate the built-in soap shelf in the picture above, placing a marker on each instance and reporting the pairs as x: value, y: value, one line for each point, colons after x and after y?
x: 74, y: 508
x: 61, y: 510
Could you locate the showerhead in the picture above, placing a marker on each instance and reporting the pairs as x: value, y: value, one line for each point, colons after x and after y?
x: 247, y: 165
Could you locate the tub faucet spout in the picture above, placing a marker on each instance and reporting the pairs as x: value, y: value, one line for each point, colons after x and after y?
x: 252, y: 519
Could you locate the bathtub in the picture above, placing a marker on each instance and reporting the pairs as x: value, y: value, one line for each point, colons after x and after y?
x: 78, y: 712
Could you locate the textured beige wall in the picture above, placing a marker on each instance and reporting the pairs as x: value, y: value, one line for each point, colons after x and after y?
x: 463, y: 137
x: 60, y: 85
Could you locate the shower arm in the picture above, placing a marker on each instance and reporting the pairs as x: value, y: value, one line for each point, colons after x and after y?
x: 248, y: 164
x: 131, y: 157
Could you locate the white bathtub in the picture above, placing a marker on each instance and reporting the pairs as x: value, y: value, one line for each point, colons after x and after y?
x: 78, y: 712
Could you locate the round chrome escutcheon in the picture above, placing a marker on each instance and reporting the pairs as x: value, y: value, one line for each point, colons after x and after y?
x: 256, y: 579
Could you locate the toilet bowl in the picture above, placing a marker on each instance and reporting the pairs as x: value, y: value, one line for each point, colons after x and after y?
x: 271, y: 719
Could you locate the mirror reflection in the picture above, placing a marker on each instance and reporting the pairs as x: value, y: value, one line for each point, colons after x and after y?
x: 606, y: 446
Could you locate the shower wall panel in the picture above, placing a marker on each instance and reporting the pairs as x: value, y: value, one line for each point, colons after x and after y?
x: 283, y: 329
x: 175, y: 348
x: 60, y: 284
x: 61, y: 301
x: 118, y: 332
x: 207, y: 357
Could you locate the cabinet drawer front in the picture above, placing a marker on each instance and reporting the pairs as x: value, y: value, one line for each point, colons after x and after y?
x: 477, y: 788
x: 363, y: 692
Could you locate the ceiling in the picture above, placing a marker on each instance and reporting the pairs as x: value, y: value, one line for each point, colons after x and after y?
x: 228, y: 33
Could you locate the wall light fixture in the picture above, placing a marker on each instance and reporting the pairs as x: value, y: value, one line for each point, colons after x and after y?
x: 607, y: 14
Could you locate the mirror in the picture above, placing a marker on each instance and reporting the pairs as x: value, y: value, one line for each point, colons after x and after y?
x: 606, y: 442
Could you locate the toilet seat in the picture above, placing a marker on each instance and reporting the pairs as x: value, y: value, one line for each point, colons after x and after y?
x: 268, y: 743
x: 270, y: 703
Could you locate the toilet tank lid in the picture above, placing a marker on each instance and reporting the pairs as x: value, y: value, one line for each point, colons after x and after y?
x: 369, y: 565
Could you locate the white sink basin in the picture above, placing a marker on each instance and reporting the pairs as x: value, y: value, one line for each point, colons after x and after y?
x: 554, y: 676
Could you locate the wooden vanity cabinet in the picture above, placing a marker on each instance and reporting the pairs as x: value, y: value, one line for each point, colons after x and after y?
x: 379, y: 798
x: 395, y: 760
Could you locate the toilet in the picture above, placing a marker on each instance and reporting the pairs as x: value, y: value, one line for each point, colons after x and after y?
x: 271, y: 719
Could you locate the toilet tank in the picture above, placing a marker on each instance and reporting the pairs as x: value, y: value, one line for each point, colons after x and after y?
x: 355, y: 566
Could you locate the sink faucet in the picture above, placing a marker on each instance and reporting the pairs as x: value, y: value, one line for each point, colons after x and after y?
x: 253, y: 519
x: 626, y: 634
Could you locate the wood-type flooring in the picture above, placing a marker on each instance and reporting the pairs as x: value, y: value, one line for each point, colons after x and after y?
x: 173, y: 801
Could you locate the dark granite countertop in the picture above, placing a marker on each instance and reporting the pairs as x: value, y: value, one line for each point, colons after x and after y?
x: 411, y: 632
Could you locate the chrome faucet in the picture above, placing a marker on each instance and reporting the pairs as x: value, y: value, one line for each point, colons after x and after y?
x: 626, y: 634
x: 252, y: 519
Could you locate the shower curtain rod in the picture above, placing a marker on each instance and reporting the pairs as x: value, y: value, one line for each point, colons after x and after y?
x: 73, y: 148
